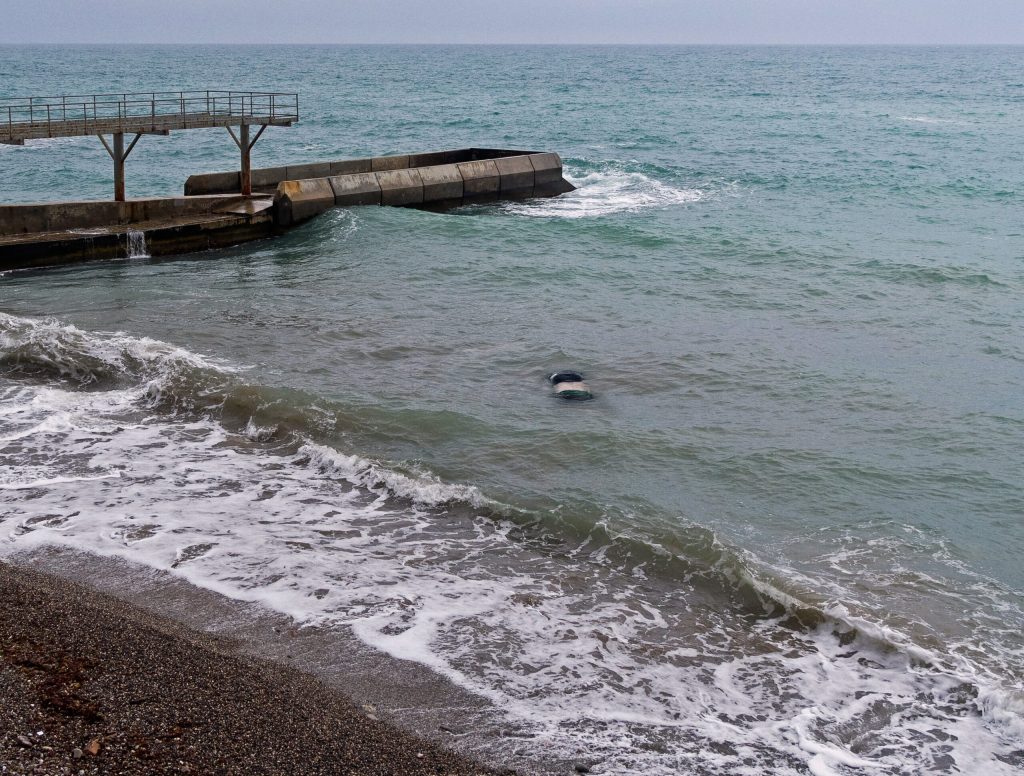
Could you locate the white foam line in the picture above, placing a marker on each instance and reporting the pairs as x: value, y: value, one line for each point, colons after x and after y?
x: 425, y: 490
x: 41, y: 483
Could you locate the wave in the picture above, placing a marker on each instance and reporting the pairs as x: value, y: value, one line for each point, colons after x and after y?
x: 582, y: 626
x: 925, y: 275
x: 152, y: 375
x: 426, y: 489
x: 51, y: 349
x: 607, y: 192
x: 149, y: 374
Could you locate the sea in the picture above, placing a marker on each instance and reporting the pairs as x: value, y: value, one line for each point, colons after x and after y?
x: 785, y: 536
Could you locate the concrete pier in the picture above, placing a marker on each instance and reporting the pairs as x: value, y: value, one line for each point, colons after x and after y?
x: 55, y: 233
x: 436, y: 179
x: 215, y: 214
x: 442, y: 179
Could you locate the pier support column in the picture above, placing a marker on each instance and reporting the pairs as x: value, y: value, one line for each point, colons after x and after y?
x: 118, y: 166
x: 246, y: 149
x: 245, y: 146
x: 119, y: 153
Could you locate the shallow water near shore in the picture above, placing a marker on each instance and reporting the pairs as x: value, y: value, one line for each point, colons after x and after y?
x: 786, y: 535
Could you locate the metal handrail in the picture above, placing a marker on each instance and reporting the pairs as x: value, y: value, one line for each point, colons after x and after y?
x: 93, y: 108
x: 124, y: 96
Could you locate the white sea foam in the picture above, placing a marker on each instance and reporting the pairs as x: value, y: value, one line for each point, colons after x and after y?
x: 78, y: 355
x: 425, y: 489
x: 647, y: 675
x: 928, y: 120
x: 605, y: 193
x: 343, y: 222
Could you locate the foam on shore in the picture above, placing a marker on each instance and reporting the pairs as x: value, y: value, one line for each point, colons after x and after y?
x: 649, y: 658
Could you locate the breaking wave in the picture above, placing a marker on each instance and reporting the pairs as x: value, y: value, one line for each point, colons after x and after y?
x: 651, y: 651
x: 606, y: 192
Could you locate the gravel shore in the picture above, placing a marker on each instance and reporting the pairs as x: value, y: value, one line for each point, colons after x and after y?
x: 92, y: 685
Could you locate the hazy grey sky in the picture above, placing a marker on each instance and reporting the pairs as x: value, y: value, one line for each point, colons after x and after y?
x: 512, y: 21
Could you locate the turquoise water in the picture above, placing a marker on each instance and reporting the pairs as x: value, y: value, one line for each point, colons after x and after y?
x: 784, y: 537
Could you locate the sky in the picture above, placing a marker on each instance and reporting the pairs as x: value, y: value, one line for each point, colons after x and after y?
x: 512, y: 21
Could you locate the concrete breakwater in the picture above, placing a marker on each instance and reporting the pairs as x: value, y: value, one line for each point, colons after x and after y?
x: 213, y: 214
x: 440, y: 179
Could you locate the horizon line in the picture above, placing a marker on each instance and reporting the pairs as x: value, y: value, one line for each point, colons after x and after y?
x: 512, y: 43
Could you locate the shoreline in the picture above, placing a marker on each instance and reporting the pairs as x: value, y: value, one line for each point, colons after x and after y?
x: 93, y: 683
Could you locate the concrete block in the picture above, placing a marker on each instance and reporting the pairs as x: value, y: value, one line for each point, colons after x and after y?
x: 349, y: 166
x: 548, y: 168
x: 212, y: 183
x: 298, y: 172
x: 380, y: 163
x: 441, y: 182
x: 400, y: 187
x: 427, y: 159
x: 298, y: 201
x: 517, y: 174
x: 480, y: 179
x: 356, y: 189
x: 268, y: 177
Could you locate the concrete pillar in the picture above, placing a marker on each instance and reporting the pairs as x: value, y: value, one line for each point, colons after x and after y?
x: 118, y: 156
x: 246, y: 173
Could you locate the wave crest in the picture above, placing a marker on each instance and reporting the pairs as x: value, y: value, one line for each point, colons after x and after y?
x: 48, y: 348
x: 607, y: 192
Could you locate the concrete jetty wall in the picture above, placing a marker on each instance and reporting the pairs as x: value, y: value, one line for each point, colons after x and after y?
x: 55, y: 233
x: 510, y: 175
x: 92, y: 214
x: 161, y: 239
x: 266, y: 179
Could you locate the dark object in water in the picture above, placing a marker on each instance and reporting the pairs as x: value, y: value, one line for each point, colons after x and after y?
x: 570, y: 385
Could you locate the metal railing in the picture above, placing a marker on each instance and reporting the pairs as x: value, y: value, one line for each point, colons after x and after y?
x: 94, y: 112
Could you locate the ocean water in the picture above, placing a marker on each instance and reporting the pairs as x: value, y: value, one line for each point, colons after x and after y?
x: 786, y: 535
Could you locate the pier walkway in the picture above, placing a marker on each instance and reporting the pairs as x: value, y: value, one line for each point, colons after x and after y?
x: 148, y: 113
